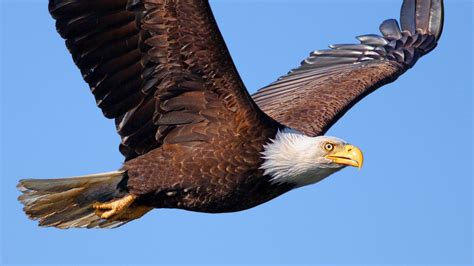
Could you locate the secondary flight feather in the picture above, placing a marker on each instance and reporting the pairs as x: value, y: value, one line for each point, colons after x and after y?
x: 193, y: 138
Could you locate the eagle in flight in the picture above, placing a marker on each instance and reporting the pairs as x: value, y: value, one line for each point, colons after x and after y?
x: 192, y: 136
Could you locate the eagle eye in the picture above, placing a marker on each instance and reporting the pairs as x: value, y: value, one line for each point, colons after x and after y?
x: 328, y: 146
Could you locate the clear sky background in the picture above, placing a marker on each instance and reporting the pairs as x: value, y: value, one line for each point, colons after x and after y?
x: 410, y: 204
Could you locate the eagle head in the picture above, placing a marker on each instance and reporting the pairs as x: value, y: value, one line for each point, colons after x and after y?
x: 295, y: 158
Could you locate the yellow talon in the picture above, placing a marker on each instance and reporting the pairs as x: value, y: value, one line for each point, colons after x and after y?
x: 114, y: 209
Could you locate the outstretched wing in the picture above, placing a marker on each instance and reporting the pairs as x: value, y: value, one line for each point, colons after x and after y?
x: 160, y: 68
x: 312, y: 97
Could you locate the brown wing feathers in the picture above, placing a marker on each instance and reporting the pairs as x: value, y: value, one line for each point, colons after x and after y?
x: 160, y: 68
x: 103, y: 39
x: 312, y: 97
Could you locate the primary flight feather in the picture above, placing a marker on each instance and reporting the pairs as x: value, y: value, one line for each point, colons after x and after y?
x: 192, y: 136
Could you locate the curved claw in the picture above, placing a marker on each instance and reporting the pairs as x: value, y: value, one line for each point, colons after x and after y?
x: 114, y: 209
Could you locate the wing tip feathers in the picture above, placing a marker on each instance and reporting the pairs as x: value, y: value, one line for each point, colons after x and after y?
x: 426, y: 16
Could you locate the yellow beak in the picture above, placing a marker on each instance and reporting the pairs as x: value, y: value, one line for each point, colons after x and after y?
x: 350, y: 155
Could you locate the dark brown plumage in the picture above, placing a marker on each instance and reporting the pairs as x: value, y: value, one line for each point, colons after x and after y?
x: 191, y: 134
x: 312, y: 97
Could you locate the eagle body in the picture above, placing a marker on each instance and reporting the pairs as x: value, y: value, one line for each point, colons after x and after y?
x: 192, y: 136
x: 201, y: 177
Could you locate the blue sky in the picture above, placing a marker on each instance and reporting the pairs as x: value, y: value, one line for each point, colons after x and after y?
x: 410, y: 204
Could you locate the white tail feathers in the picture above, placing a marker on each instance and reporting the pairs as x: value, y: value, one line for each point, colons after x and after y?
x: 67, y: 202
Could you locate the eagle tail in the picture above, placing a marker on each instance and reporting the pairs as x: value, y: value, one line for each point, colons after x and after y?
x: 67, y: 202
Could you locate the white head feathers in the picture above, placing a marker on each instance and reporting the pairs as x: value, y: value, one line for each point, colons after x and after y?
x: 295, y: 158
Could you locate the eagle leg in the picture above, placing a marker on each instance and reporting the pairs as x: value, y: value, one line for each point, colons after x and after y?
x: 120, y: 209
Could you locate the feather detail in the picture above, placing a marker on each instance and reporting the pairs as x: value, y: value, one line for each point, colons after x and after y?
x: 67, y: 202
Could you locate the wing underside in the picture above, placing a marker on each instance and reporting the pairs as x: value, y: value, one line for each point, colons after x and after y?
x: 312, y: 97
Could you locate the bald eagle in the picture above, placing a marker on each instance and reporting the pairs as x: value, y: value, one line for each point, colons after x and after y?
x: 193, y: 138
